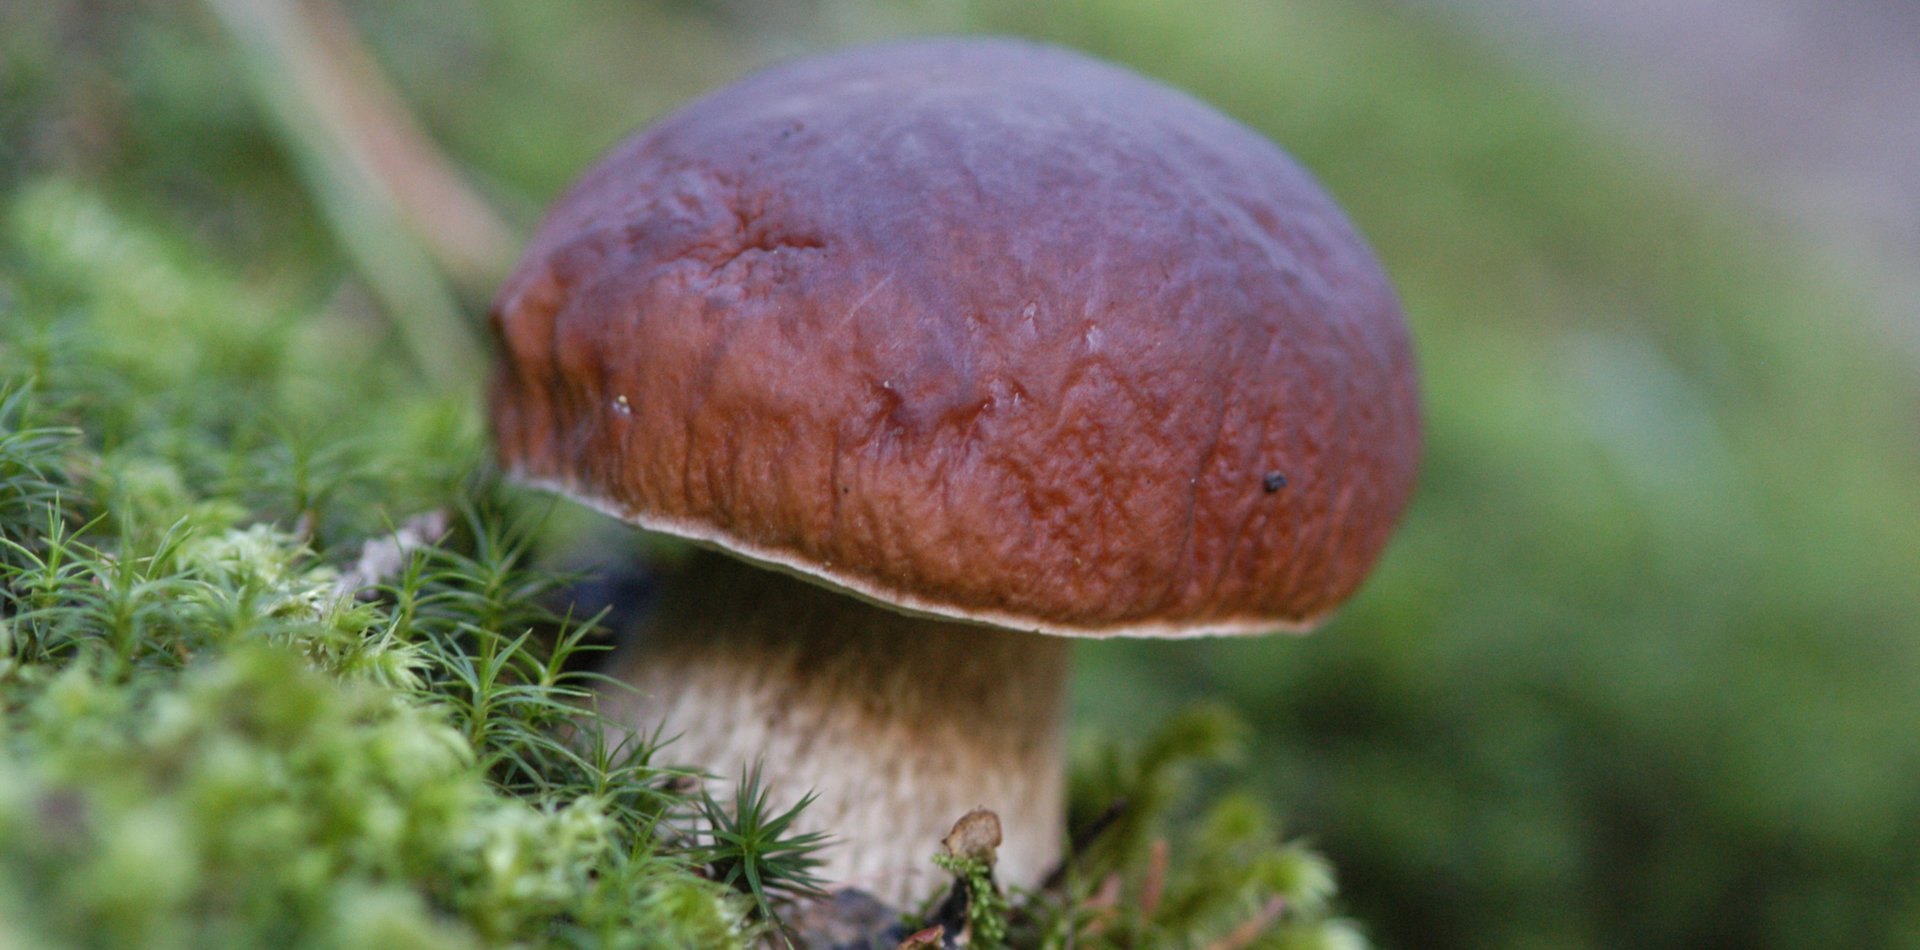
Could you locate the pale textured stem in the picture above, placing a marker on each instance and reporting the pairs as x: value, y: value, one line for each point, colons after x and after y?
x: 900, y: 724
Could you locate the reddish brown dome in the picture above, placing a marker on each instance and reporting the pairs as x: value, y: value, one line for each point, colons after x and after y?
x: 979, y: 328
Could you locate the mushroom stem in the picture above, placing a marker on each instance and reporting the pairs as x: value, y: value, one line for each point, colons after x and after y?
x: 899, y: 724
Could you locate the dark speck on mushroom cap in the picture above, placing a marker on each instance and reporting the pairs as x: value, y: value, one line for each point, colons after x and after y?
x: 978, y: 328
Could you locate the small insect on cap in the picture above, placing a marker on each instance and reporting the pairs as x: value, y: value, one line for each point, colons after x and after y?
x: 976, y: 328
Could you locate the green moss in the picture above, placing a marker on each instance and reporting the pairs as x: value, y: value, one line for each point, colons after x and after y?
x: 1161, y: 862
x: 987, y: 908
x: 204, y: 740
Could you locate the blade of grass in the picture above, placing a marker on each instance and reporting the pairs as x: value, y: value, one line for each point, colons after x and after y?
x: 456, y: 225
x: 300, y: 90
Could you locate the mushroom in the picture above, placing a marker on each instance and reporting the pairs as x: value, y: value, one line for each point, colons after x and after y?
x: 953, y: 350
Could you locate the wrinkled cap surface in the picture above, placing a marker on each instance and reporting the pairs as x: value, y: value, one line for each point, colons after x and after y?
x: 977, y: 328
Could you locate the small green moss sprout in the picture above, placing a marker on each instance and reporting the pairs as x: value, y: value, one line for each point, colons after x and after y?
x: 755, y: 849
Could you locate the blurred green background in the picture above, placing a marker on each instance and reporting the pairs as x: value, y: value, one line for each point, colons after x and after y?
x: 1640, y: 669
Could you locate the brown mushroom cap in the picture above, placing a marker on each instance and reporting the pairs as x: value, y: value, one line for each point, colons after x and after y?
x: 978, y: 328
